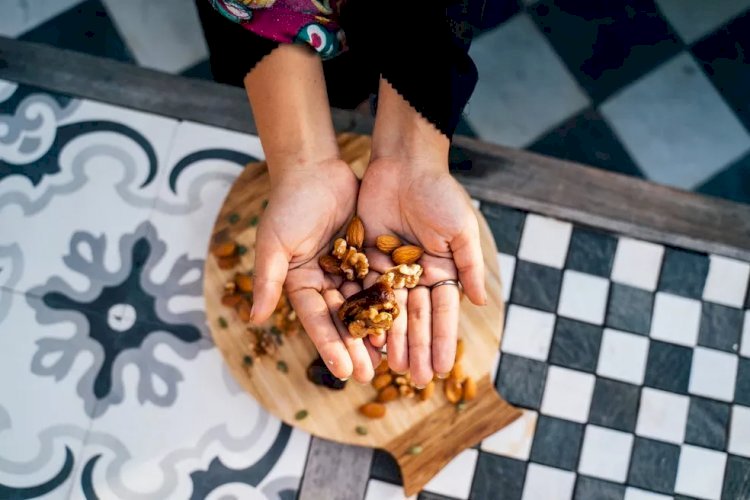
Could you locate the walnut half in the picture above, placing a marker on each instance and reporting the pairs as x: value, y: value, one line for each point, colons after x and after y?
x: 370, y: 311
x: 403, y: 276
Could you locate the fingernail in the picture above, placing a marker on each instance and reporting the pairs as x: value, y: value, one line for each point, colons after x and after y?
x: 442, y: 376
x: 420, y: 387
x: 344, y: 379
x: 400, y: 373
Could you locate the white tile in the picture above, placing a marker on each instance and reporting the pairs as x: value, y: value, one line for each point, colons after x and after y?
x: 524, y: 89
x: 739, y: 431
x: 662, y: 415
x: 507, y: 265
x: 514, y: 440
x: 545, y: 241
x: 380, y: 490
x: 605, y: 453
x: 623, y: 356
x: 713, y: 374
x: 700, y: 472
x: 637, y: 263
x: 583, y: 297
x: 454, y: 480
x: 675, y: 319
x: 528, y: 332
x: 548, y: 483
x: 726, y: 282
x: 693, y: 19
x: 20, y: 16
x: 639, y: 494
x: 567, y: 394
x: 163, y: 35
x: 676, y: 125
x: 745, y: 342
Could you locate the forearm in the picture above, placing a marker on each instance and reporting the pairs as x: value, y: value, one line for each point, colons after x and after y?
x: 401, y: 132
x: 288, y: 97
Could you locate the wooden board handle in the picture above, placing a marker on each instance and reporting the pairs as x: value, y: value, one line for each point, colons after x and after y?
x: 446, y: 433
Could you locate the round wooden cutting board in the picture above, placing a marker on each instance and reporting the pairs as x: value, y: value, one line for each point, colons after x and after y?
x: 435, y: 427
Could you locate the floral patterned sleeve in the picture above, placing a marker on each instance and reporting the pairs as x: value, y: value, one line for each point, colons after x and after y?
x: 419, y: 46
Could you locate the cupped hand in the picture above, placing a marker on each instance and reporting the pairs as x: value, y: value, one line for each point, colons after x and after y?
x: 308, y: 207
x: 423, y: 204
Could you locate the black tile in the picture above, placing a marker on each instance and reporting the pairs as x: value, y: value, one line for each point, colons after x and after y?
x: 725, y: 55
x: 683, y: 273
x: 85, y: 27
x: 736, y: 479
x: 557, y: 442
x: 426, y: 495
x: 629, y: 309
x: 521, y: 380
x: 385, y: 468
x: 614, y: 404
x: 589, y: 488
x: 487, y: 15
x: 732, y: 183
x: 606, y: 45
x: 742, y: 389
x: 587, y: 138
x: 575, y: 344
x: 707, y: 423
x: 591, y: 252
x: 498, y: 478
x: 465, y: 128
x: 536, y: 285
x: 668, y: 367
x: 506, y: 225
x: 200, y: 70
x: 653, y: 465
x: 721, y: 327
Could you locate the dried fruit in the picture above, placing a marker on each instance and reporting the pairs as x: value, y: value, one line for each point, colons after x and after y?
x: 244, y: 282
x: 319, y: 374
x: 372, y: 410
x: 361, y: 430
x: 453, y: 390
x: 388, y: 393
x: 330, y: 265
x: 427, y: 392
x: 407, y: 254
x: 370, y: 311
x: 459, y: 349
x: 300, y: 415
x: 226, y: 249
x: 355, y: 233
x: 223, y: 322
x: 387, y: 243
x: 381, y: 381
x: 470, y: 389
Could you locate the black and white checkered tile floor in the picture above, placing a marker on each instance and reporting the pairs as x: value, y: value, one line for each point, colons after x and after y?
x: 632, y: 364
x: 650, y: 88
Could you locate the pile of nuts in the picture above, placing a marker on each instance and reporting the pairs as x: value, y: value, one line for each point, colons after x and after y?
x: 372, y: 310
x: 458, y: 387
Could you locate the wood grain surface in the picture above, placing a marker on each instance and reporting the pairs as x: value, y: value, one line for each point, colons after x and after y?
x: 435, y: 426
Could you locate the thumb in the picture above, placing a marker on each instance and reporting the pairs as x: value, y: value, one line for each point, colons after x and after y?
x: 271, y: 267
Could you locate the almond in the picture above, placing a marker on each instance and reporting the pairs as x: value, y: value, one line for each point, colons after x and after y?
x: 427, y: 392
x: 231, y: 300
x: 226, y: 249
x: 228, y: 262
x: 355, y: 233
x: 388, y: 393
x: 470, y: 389
x: 458, y: 372
x: 406, y: 254
x: 330, y: 264
x: 243, y: 310
x: 381, y: 381
x: 372, y: 410
x: 244, y: 282
x: 382, y: 367
x: 453, y: 390
x: 459, y: 350
x: 387, y: 243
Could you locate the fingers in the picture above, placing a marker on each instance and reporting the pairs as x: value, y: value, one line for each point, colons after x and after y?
x: 445, y: 311
x: 375, y: 356
x: 420, y: 333
x: 315, y: 316
x: 467, y: 254
x: 397, y: 341
x: 362, y: 365
x: 271, y: 266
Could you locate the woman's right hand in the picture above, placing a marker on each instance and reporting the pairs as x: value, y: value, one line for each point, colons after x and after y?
x: 309, y: 206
